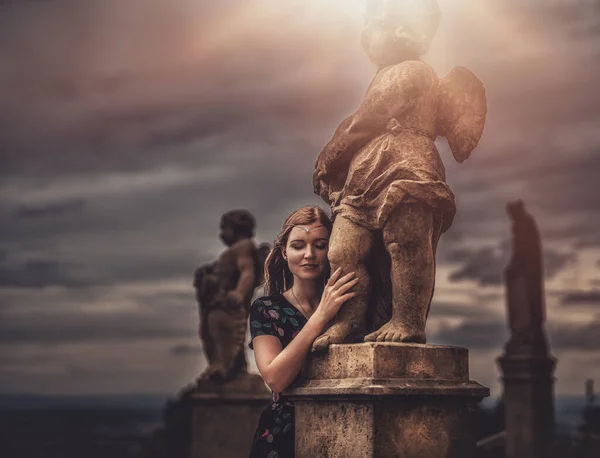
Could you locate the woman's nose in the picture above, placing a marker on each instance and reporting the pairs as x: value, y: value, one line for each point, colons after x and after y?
x: 310, y: 252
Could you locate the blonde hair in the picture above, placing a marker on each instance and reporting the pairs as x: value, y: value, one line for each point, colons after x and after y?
x: 278, y: 277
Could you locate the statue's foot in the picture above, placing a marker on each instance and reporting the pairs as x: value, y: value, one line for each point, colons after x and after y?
x: 396, y: 332
x: 338, y: 333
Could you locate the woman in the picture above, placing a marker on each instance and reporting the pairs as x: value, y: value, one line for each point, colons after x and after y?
x: 300, y: 302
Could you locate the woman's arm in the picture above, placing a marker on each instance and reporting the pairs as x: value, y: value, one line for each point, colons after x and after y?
x: 279, y: 366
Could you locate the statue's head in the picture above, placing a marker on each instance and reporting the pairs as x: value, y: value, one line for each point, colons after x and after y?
x: 516, y: 210
x: 399, y: 30
x: 236, y: 225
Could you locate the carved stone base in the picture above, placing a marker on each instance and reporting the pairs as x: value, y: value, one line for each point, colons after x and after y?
x: 225, y: 416
x: 386, y: 400
x: 528, y: 405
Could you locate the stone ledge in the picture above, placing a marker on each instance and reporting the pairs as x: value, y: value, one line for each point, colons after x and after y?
x: 249, y: 388
x: 384, y: 387
x: 389, y: 361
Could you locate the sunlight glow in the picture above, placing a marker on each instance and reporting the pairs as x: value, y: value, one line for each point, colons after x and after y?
x: 270, y: 22
x: 352, y: 6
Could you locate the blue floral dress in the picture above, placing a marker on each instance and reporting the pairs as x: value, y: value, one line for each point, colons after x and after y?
x: 275, y: 316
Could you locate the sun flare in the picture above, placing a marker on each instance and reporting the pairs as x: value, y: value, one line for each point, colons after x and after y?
x: 352, y: 6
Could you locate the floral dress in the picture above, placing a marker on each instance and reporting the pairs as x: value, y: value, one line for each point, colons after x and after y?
x: 275, y: 316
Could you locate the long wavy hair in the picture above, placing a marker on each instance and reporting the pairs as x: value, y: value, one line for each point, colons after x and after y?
x: 278, y: 277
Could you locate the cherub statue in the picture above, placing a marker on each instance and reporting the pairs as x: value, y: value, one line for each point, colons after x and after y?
x: 224, y: 291
x: 384, y: 178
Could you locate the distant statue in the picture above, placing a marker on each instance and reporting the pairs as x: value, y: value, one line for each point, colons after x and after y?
x: 384, y: 178
x: 224, y: 291
x: 524, y: 283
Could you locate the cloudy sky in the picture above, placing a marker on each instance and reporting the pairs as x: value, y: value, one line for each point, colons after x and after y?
x: 129, y: 127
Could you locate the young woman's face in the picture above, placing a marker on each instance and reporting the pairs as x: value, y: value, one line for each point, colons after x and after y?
x: 306, y: 251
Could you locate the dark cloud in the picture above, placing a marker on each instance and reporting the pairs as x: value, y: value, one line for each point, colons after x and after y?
x: 493, y: 334
x: 167, y: 101
x: 50, y: 210
x: 40, y: 273
x: 24, y: 361
x: 51, y: 317
x: 581, y: 298
x: 486, y: 265
x: 443, y: 310
x: 475, y: 334
x: 78, y: 327
x: 124, y: 140
x: 554, y: 262
x: 566, y: 336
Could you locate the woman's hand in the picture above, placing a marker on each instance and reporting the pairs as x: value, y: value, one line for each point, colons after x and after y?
x: 335, y: 294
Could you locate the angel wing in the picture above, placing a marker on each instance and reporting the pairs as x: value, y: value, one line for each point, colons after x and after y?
x: 462, y: 110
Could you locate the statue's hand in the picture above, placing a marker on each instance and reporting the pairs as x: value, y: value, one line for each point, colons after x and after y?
x: 320, y: 176
x: 317, y: 182
x: 321, y: 165
x: 234, y: 300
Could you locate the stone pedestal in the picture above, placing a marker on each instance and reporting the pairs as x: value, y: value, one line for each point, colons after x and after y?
x: 528, y: 405
x: 225, y: 416
x: 386, y: 400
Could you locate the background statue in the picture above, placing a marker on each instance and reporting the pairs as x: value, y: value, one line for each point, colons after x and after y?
x: 224, y: 291
x: 524, y: 285
x: 385, y: 181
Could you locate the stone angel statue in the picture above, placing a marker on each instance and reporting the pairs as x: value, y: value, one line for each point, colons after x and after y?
x: 384, y: 178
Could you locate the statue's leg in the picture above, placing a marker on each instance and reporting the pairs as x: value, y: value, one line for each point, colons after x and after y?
x: 207, y: 343
x: 228, y: 331
x: 349, y: 246
x: 435, y: 237
x: 410, y: 236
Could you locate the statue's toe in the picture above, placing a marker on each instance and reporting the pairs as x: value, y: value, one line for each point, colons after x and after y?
x: 371, y: 337
x: 321, y: 344
x: 413, y: 337
x: 394, y: 332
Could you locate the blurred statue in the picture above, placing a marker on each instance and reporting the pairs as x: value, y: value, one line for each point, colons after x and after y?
x: 524, y: 285
x: 384, y: 178
x: 224, y: 291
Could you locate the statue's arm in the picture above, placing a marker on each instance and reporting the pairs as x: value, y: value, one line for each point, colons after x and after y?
x: 352, y: 134
x: 247, y: 276
x: 199, y: 275
x: 388, y: 97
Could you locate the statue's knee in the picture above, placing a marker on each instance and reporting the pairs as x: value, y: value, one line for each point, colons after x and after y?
x: 337, y: 255
x: 417, y: 247
x: 347, y: 256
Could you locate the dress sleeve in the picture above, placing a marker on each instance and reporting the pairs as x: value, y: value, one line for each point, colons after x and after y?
x: 262, y: 321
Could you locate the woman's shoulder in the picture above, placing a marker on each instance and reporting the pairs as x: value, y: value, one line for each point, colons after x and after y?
x: 274, y: 308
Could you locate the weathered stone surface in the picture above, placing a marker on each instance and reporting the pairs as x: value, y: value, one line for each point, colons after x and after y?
x: 393, y: 360
x: 225, y: 416
x: 384, y: 178
x: 386, y: 400
x: 384, y: 427
x: 528, y: 405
